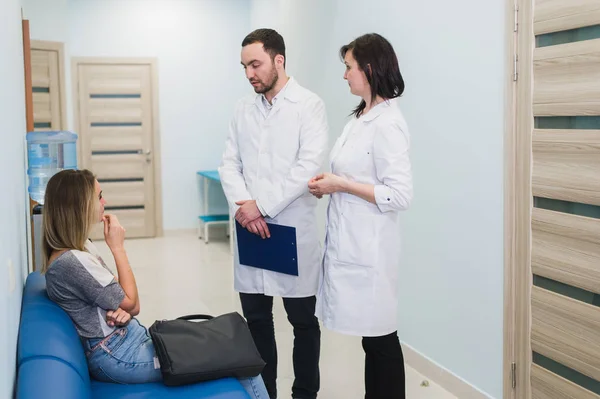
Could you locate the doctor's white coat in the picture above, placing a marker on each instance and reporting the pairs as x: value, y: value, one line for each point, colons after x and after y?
x: 271, y: 159
x: 359, y: 292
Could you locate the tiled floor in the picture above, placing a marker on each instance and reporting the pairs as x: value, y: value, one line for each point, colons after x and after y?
x: 179, y: 275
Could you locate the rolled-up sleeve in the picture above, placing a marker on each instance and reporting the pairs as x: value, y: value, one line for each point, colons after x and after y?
x: 392, y: 163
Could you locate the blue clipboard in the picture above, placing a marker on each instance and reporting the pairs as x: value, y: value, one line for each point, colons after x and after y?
x: 278, y: 253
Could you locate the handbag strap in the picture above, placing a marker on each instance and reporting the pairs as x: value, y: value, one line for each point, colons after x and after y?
x: 195, y: 317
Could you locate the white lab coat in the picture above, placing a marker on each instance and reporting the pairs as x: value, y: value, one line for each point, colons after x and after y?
x: 271, y: 159
x: 359, y: 291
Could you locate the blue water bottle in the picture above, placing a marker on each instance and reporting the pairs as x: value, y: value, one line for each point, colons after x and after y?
x: 48, y: 153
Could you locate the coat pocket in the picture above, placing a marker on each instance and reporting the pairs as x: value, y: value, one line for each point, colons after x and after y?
x: 359, y: 229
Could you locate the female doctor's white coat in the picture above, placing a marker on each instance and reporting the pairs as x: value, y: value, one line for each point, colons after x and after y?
x: 359, y: 291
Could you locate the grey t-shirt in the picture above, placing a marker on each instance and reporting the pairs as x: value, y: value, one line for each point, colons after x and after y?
x: 81, y: 284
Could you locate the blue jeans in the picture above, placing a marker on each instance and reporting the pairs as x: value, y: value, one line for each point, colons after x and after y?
x: 127, y: 356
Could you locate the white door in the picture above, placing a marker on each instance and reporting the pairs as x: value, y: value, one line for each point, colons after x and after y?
x: 117, y: 113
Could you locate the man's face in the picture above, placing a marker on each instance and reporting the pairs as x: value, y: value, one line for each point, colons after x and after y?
x: 260, y: 68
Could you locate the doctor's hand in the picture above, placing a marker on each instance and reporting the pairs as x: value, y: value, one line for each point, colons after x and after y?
x: 326, y: 183
x: 259, y: 226
x: 247, y: 212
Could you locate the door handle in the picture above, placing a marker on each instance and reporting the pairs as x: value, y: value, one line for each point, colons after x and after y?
x: 148, y: 154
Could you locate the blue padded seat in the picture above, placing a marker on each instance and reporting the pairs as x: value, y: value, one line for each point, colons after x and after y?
x: 52, y: 364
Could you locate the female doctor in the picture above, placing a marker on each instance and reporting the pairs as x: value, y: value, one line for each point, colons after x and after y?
x: 369, y: 184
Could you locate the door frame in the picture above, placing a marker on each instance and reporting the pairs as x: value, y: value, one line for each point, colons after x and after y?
x: 59, y: 47
x: 518, y: 200
x: 153, y: 62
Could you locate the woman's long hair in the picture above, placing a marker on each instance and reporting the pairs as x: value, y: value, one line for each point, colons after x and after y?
x: 70, y: 211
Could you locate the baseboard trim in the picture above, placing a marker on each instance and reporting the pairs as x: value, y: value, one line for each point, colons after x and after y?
x: 441, y: 376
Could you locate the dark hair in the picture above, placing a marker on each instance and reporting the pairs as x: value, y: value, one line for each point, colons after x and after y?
x: 271, y: 40
x: 377, y: 58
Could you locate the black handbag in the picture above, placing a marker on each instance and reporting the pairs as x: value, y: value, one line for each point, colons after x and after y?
x: 192, y: 352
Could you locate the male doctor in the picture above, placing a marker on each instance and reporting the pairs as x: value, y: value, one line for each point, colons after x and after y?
x: 277, y: 142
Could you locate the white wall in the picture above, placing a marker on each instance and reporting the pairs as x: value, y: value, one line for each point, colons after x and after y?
x: 13, y: 248
x: 197, y: 44
x: 453, y: 64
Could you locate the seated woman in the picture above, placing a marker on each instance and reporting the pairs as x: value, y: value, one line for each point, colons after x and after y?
x: 118, y: 348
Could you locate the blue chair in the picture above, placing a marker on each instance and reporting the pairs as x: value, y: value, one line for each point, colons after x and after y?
x: 52, y: 363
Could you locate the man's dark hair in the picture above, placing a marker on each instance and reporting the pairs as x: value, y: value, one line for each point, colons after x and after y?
x: 377, y: 59
x: 271, y: 40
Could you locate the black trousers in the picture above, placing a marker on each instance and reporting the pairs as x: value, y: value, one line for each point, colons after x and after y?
x: 384, y: 367
x: 258, y: 310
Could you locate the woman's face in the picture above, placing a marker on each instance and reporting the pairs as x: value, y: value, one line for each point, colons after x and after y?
x: 101, y: 201
x: 357, y: 80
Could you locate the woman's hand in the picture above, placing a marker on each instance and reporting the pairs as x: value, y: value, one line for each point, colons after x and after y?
x: 326, y: 183
x: 114, y: 233
x: 117, y: 318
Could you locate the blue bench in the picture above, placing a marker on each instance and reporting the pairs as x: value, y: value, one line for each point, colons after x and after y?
x: 52, y: 364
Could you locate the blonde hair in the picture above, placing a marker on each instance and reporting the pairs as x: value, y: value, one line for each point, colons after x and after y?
x: 69, y: 212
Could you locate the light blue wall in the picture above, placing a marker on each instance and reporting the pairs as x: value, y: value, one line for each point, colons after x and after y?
x: 307, y: 51
x: 13, y: 249
x: 452, y: 58
x: 197, y: 44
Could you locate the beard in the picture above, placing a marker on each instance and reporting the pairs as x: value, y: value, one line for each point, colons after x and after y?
x: 264, y: 87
